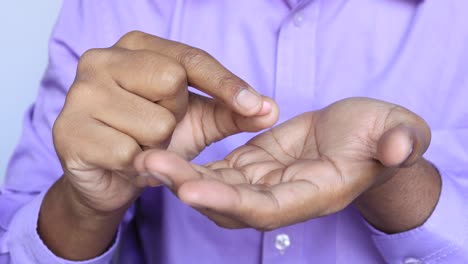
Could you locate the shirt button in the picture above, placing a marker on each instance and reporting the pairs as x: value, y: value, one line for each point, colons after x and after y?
x: 282, y: 242
x: 412, y: 261
x: 298, y: 19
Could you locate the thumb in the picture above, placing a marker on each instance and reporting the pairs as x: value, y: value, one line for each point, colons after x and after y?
x: 217, y: 121
x: 405, y: 139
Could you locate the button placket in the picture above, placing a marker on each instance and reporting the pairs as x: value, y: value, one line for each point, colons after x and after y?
x: 296, y: 56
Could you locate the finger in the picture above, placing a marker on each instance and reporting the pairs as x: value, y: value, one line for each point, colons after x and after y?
x: 405, y: 140
x: 257, y: 208
x: 167, y: 167
x: 203, y: 72
x: 91, y: 145
x: 395, y: 146
x: 154, y: 77
x: 148, y: 123
x: 216, y: 121
x: 255, y: 205
x: 221, y: 220
x: 173, y: 170
x: 293, y: 200
x: 143, y: 175
x: 266, y: 118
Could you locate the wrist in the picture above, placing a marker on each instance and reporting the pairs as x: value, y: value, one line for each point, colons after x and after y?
x: 64, y: 218
x: 80, y: 208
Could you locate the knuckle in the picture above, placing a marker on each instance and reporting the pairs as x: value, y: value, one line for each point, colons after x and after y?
x: 223, y: 80
x: 124, y: 154
x: 59, y: 129
x: 166, y: 126
x: 230, y: 83
x: 165, y: 74
x: 150, y: 141
x: 67, y: 142
x: 172, y: 78
x: 79, y: 92
x: 91, y: 59
x: 159, y: 128
x: 131, y: 39
x: 192, y: 57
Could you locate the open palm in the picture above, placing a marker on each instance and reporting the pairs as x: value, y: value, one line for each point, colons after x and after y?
x: 312, y: 165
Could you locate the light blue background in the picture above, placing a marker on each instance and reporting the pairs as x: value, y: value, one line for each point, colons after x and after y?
x: 25, y: 27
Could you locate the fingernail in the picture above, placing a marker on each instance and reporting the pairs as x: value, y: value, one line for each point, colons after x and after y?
x: 266, y: 108
x: 248, y: 99
x: 158, y: 177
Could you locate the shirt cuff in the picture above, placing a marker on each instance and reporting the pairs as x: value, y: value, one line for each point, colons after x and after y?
x: 440, y: 239
x: 25, y: 245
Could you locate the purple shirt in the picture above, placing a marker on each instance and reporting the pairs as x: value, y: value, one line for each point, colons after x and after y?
x: 304, y: 54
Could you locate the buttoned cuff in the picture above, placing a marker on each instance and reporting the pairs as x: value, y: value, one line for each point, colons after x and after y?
x: 441, y: 239
x: 25, y: 245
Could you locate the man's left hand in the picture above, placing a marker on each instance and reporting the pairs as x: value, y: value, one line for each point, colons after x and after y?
x: 310, y: 166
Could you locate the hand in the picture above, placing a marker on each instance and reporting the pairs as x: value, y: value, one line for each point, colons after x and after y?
x: 125, y: 99
x: 310, y: 166
x: 133, y: 96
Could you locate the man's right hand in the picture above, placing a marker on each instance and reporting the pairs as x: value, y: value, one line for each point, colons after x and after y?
x: 125, y: 99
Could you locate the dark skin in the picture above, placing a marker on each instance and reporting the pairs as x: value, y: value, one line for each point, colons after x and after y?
x: 358, y: 150
x: 413, y: 191
x: 316, y: 164
x: 126, y: 99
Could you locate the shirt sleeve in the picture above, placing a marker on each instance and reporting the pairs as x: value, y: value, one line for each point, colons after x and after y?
x: 443, y: 237
x: 25, y: 245
x: 34, y: 166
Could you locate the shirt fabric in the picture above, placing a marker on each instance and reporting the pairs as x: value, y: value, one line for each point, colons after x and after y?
x: 305, y: 55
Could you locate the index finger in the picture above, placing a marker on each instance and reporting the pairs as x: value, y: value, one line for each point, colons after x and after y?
x: 204, y: 72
